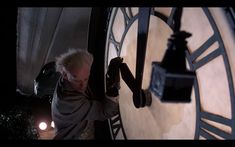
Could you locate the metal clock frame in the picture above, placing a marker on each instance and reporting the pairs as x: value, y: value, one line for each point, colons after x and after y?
x: 193, y: 66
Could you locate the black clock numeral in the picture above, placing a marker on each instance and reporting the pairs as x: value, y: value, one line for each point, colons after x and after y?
x: 206, y: 135
x: 214, y: 130
x: 130, y: 12
x: 126, y: 17
x: 201, y: 50
x: 115, y: 43
x: 215, y: 118
x: 116, y: 129
x: 207, y: 59
x: 116, y: 125
x: 160, y: 15
x: 170, y: 20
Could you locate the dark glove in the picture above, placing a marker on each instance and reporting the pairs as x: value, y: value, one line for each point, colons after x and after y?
x: 113, y: 77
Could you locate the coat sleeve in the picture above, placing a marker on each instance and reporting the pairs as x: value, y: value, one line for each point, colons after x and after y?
x: 80, y: 108
x: 101, y: 110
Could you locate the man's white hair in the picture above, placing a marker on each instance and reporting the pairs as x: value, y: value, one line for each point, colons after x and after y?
x: 74, y: 58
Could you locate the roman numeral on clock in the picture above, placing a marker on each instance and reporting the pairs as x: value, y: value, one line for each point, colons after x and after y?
x: 116, y: 126
x: 205, y: 127
x: 201, y: 50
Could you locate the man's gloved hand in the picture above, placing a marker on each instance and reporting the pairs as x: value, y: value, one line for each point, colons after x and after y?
x: 113, y: 77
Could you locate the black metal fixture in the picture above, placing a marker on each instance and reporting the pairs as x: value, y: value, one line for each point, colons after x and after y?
x: 45, y: 82
x: 145, y: 95
x: 170, y: 80
x: 141, y: 97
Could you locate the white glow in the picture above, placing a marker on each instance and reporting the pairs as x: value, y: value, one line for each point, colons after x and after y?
x: 52, y: 124
x: 43, y: 126
x: 35, y: 87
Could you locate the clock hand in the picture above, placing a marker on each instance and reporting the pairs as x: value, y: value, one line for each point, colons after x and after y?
x: 170, y: 80
x: 143, y: 26
x: 127, y: 76
x: 174, y: 59
x: 177, y: 16
x: 131, y: 83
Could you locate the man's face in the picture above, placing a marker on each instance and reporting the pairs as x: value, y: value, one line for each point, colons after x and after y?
x: 79, y: 78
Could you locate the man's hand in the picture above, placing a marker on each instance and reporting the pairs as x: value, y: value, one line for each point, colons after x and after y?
x: 113, y: 77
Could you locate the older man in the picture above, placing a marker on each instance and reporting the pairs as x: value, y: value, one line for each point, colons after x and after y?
x: 74, y: 109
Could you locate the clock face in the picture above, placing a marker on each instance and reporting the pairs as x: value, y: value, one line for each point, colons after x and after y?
x: 211, y: 112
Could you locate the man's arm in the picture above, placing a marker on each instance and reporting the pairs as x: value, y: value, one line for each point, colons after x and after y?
x: 101, y: 110
x: 109, y: 107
